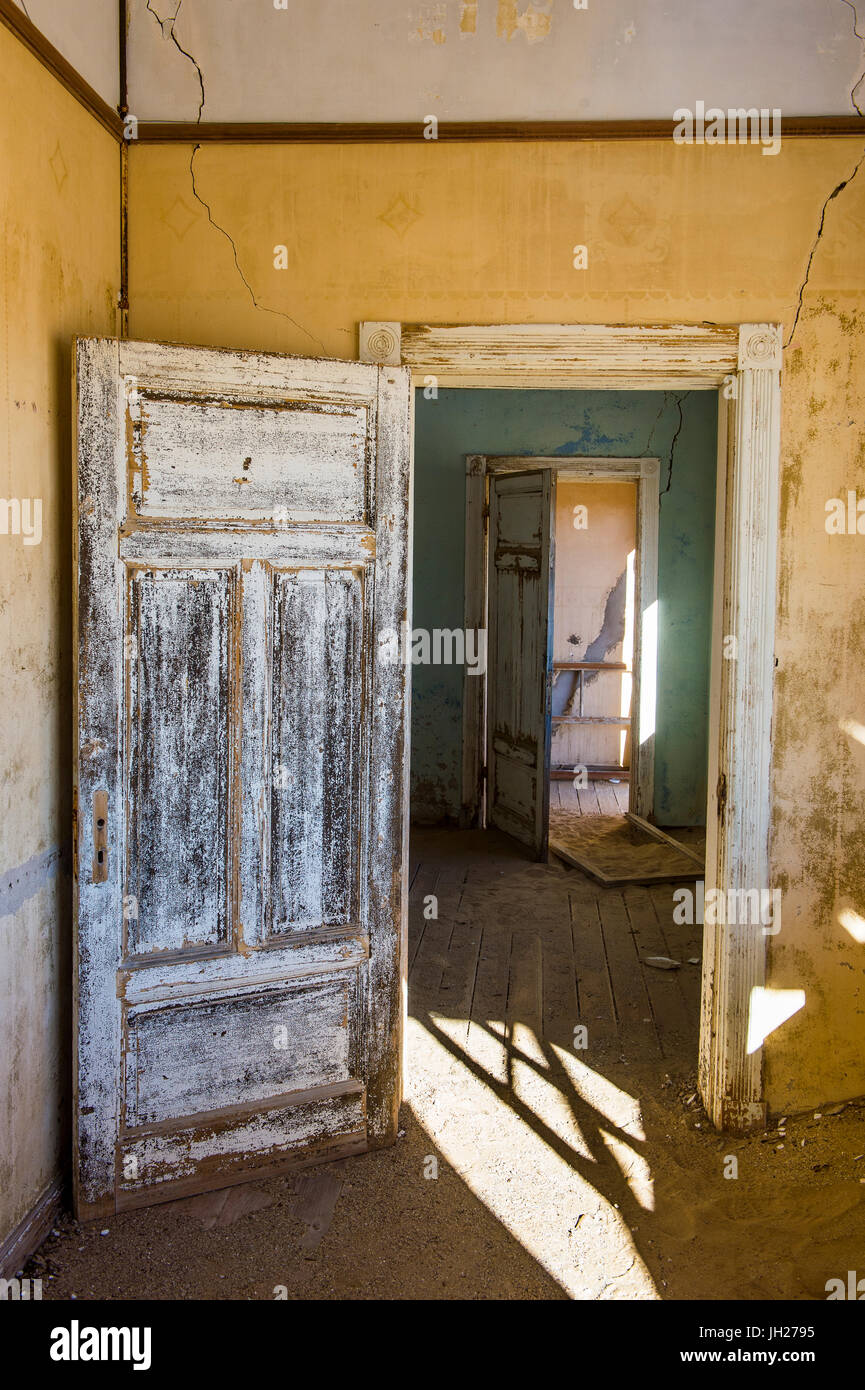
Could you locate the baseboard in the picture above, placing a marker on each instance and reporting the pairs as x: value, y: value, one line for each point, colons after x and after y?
x: 29, y: 1234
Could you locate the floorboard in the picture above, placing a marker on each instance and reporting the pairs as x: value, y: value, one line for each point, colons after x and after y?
x: 522, y: 953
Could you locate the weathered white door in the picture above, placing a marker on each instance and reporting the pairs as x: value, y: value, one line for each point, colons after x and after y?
x: 520, y: 664
x: 242, y: 547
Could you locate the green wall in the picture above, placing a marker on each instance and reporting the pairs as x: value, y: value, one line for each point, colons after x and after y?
x: 599, y: 423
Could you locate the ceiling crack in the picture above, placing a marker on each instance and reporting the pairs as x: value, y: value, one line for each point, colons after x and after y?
x: 263, y: 307
x: 834, y: 194
x: 171, y: 34
x: 858, y: 83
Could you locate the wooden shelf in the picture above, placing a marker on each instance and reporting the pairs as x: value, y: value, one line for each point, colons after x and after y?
x: 624, y: 723
x: 589, y: 666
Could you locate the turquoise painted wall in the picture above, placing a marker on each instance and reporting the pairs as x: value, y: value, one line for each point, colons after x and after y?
x: 615, y: 424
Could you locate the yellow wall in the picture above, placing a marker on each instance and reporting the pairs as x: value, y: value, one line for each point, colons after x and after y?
x: 59, y: 184
x: 484, y: 233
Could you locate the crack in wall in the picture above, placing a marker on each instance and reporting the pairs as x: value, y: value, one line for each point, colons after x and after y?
x: 838, y: 187
x: 263, y: 307
x: 174, y: 39
x: 648, y: 449
x: 834, y: 194
x: 673, y: 442
x: 858, y: 83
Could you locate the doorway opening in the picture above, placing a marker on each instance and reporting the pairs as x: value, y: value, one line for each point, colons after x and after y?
x: 593, y: 650
x: 738, y: 367
x: 569, y: 720
x: 514, y: 964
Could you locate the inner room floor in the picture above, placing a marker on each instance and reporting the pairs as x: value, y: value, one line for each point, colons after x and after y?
x: 526, y: 1167
x: 601, y: 797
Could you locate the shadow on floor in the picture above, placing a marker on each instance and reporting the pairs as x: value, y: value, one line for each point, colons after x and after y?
x: 527, y: 1167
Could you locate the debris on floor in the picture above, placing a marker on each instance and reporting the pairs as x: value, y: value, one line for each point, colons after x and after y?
x: 223, y: 1207
x: 315, y: 1199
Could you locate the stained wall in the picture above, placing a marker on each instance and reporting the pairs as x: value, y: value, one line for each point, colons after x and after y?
x: 59, y: 194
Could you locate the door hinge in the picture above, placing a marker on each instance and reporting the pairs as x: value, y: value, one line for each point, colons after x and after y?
x: 721, y: 794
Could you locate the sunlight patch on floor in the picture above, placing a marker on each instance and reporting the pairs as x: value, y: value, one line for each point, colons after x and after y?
x: 549, y: 1154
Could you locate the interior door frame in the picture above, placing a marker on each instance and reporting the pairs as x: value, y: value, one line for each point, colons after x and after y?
x: 645, y: 473
x: 742, y: 363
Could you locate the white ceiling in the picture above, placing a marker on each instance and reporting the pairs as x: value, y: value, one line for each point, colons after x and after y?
x: 464, y: 60
x: 399, y: 60
x: 86, y: 33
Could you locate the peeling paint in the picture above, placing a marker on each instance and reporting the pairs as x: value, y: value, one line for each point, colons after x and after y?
x: 535, y: 21
x: 469, y: 17
x: 612, y: 628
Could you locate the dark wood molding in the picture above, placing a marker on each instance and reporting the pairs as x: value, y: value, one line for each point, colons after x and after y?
x: 122, y: 44
x: 15, y: 19
x: 389, y: 132
x: 123, y: 108
x: 30, y: 1232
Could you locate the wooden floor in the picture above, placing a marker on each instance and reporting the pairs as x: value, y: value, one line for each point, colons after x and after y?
x: 599, y: 798
x: 540, y: 945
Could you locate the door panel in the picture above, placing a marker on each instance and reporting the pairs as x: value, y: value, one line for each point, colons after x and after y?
x: 242, y: 460
x: 220, y: 1040
x: 176, y: 783
x: 316, y: 749
x: 522, y: 511
x: 242, y: 540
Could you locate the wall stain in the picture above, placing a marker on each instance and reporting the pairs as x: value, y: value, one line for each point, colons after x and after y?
x: 24, y: 882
